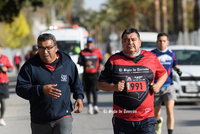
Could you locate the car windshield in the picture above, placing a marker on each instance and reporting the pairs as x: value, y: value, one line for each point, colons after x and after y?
x: 148, y: 44
x: 69, y: 47
x: 188, y: 57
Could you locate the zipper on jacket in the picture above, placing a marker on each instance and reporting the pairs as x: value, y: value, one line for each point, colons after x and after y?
x: 52, y: 105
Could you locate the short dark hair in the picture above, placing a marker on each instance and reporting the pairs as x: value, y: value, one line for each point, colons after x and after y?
x: 129, y: 31
x: 47, y: 36
x: 163, y: 34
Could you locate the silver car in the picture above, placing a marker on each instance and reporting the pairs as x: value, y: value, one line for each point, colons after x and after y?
x: 188, y: 85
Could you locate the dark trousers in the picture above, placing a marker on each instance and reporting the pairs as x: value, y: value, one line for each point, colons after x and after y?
x: 3, y: 107
x: 146, y: 126
x: 90, y: 86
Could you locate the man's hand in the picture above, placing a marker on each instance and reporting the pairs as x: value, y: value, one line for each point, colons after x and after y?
x: 88, y: 63
x: 120, y: 86
x: 79, y: 104
x: 4, y: 69
x: 155, y: 87
x: 179, y: 72
x: 51, y: 91
x: 100, y: 66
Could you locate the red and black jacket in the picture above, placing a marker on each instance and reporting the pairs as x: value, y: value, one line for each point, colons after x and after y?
x: 93, y: 55
x: 4, y: 61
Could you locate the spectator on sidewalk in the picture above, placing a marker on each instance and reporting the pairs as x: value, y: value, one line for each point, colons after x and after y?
x: 34, y: 50
x: 17, y: 61
x: 28, y: 55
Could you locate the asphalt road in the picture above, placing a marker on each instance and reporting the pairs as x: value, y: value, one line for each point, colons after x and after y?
x: 187, y: 117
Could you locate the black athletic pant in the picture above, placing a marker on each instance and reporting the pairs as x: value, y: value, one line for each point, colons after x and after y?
x: 3, y: 107
x: 90, y: 86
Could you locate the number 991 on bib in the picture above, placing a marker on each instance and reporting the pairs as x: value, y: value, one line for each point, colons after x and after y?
x: 136, y: 86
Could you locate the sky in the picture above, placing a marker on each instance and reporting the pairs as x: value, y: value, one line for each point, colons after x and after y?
x: 93, y: 4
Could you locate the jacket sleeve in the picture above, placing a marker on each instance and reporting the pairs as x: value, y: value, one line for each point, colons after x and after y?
x: 76, y: 85
x: 9, y: 65
x: 81, y: 60
x: 100, y: 57
x: 24, y: 87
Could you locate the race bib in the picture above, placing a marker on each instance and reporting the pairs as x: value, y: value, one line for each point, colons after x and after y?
x: 136, y: 86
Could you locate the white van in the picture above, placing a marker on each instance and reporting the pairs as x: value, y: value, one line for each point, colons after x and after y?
x: 148, y: 40
x: 70, y: 40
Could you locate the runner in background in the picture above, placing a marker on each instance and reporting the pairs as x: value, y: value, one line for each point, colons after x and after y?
x: 167, y: 92
x: 5, y: 66
x: 91, y: 58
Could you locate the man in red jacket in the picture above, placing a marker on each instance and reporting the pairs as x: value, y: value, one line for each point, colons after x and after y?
x: 5, y: 66
x: 91, y: 58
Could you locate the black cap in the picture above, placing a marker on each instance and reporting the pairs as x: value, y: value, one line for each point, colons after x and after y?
x: 35, y: 47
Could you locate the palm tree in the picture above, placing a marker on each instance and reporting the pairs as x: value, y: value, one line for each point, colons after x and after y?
x: 65, y: 7
x: 157, y: 15
x: 184, y: 15
x: 175, y: 11
x: 164, y: 12
x: 196, y: 15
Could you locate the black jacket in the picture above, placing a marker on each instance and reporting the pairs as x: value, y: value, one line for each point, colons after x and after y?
x: 34, y: 74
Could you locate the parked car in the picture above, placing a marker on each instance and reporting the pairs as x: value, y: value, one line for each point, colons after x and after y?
x: 188, y: 85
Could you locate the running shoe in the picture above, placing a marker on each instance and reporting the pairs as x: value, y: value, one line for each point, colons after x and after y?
x: 159, y: 126
x: 90, y: 109
x: 2, y: 122
x: 96, y: 110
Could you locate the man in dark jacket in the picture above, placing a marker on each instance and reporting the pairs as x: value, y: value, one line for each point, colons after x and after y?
x: 46, y: 80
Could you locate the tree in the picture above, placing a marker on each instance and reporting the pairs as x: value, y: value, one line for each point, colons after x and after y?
x: 15, y: 32
x: 175, y: 16
x: 11, y: 8
x: 157, y: 15
x: 65, y: 7
x: 184, y: 15
x: 196, y: 15
x: 164, y: 15
x: 78, y: 13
